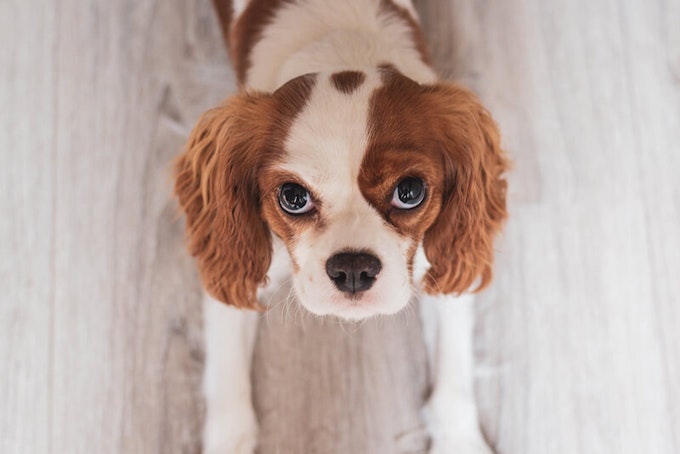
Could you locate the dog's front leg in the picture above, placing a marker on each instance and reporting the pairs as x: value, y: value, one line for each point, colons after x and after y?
x: 230, y: 425
x: 451, y: 412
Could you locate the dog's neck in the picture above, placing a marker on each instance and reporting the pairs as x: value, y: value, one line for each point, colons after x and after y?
x: 332, y: 36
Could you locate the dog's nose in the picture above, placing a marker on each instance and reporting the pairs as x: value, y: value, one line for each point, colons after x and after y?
x: 353, y: 272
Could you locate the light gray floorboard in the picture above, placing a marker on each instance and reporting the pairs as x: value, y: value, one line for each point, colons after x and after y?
x: 26, y: 238
x: 100, y: 327
x: 578, y: 338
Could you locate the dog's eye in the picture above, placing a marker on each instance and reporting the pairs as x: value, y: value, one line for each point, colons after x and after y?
x: 295, y: 199
x: 409, y: 193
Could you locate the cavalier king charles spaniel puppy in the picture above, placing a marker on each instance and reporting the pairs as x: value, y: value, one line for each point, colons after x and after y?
x: 344, y: 165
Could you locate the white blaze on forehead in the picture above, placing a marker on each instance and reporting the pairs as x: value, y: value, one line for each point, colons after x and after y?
x: 328, y: 139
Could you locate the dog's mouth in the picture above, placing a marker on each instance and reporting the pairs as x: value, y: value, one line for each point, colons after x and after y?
x: 380, y: 299
x: 358, y: 307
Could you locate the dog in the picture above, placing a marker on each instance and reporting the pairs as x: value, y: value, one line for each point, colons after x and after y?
x: 344, y: 163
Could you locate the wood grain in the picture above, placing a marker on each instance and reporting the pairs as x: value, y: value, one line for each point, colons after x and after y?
x: 26, y: 234
x: 100, y: 326
x: 576, y: 340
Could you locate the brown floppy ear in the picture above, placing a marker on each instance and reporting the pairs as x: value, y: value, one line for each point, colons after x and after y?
x: 216, y: 184
x: 459, y: 245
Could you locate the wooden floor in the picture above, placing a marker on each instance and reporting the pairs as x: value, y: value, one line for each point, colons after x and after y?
x: 578, y: 340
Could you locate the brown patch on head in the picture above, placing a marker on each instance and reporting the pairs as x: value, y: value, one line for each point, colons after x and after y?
x: 247, y: 32
x: 386, y: 70
x: 398, y: 133
x: 217, y: 182
x: 290, y: 98
x: 441, y: 134
x: 389, y: 7
x: 348, y: 81
x: 288, y: 101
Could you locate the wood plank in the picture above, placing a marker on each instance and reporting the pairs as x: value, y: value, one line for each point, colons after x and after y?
x: 27, y: 133
x: 326, y: 386
x: 575, y: 337
x: 127, y: 339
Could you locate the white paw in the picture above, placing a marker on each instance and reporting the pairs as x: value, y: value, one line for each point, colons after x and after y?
x: 459, y: 446
x: 231, y: 433
x: 454, y: 427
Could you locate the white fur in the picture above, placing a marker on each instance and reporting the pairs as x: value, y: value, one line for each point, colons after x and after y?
x: 230, y: 425
x: 408, y: 6
x: 451, y: 412
x: 239, y: 6
x: 325, y: 148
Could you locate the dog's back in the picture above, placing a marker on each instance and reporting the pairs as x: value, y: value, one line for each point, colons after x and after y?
x: 274, y: 41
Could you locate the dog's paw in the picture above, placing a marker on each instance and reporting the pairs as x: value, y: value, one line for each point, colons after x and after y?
x: 234, y: 432
x: 454, y: 428
x: 232, y: 440
x: 460, y: 444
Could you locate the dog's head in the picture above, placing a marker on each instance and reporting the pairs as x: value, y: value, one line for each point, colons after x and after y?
x: 353, y: 171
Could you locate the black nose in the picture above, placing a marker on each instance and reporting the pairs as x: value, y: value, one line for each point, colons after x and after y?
x: 353, y: 272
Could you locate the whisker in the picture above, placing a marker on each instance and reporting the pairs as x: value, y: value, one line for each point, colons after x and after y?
x: 272, y: 307
x: 288, y: 303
